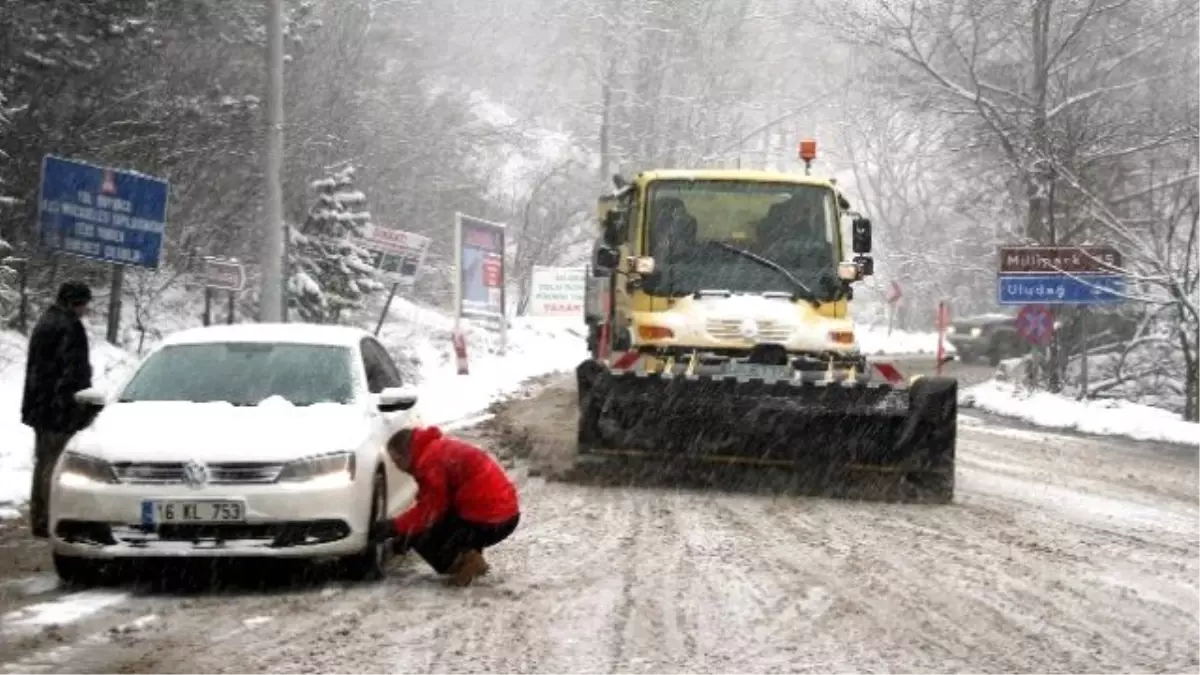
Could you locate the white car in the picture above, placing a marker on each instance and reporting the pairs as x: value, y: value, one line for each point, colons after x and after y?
x: 255, y: 440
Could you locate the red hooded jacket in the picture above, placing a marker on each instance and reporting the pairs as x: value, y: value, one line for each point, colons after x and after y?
x: 454, y: 475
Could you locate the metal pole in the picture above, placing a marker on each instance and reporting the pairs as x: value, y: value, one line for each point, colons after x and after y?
x: 114, y: 304
x: 23, y: 290
x: 207, y: 306
x: 271, y: 293
x: 1083, y: 365
x: 386, y: 306
x: 232, y: 308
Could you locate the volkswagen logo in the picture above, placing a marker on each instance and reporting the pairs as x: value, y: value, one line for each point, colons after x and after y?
x: 195, y: 474
x: 749, y: 329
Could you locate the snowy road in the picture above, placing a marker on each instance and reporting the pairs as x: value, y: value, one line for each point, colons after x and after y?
x: 1061, y: 553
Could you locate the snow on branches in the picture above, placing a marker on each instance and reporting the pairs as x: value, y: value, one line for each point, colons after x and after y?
x: 331, y: 274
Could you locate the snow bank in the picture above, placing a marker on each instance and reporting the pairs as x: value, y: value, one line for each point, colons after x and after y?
x: 1104, y: 417
x: 874, y: 340
x: 422, y: 337
x: 418, y: 338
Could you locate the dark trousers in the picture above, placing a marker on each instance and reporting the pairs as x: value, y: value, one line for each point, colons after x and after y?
x: 47, y: 447
x: 441, y: 544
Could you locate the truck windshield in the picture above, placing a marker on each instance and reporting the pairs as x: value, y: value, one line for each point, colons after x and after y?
x: 696, y: 227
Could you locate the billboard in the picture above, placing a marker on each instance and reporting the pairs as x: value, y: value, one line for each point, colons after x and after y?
x: 397, y: 254
x: 479, y: 249
x: 557, y: 291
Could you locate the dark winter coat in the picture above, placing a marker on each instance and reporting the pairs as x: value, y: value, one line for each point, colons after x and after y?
x: 454, y: 475
x: 57, y: 367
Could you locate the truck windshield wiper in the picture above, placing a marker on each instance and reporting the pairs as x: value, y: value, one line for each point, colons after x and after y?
x: 802, y: 289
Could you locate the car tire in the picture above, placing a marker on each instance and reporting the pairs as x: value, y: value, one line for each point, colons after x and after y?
x: 371, y: 563
x: 80, y: 572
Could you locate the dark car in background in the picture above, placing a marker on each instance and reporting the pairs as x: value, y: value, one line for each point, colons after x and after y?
x: 991, y: 337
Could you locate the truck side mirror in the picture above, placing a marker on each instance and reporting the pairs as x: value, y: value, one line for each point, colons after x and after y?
x: 613, y: 228
x: 606, y: 258
x: 866, y: 264
x: 861, y: 235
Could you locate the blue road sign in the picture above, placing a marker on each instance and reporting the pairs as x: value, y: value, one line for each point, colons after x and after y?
x: 1057, y: 289
x: 104, y: 214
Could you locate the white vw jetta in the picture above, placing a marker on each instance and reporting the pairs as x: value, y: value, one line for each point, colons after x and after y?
x: 258, y: 440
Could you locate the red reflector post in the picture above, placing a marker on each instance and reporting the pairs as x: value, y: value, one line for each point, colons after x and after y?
x: 889, y: 372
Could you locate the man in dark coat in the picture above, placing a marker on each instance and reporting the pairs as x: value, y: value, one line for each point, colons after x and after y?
x: 465, y: 503
x: 57, y: 367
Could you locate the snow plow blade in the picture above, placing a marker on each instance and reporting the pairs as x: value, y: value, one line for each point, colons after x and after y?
x: 829, y: 433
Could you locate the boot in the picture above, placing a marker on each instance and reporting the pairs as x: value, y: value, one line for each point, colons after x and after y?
x: 469, y: 565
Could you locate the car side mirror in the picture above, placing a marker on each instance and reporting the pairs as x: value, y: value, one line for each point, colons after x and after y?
x: 606, y: 258
x: 861, y: 235
x: 93, y: 396
x: 395, y: 399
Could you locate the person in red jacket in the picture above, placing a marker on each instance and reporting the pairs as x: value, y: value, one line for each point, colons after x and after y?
x: 465, y: 503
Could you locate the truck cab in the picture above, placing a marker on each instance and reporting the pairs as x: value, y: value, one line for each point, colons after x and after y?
x: 728, y: 269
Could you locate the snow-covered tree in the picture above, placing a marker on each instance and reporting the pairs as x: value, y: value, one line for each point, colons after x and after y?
x: 10, y: 297
x: 331, y: 274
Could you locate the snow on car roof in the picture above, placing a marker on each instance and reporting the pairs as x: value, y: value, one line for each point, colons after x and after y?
x: 293, y: 333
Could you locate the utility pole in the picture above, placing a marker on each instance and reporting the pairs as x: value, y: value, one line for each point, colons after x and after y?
x: 271, y: 294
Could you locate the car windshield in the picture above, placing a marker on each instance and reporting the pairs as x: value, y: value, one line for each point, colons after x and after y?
x: 244, y: 374
x: 697, y: 228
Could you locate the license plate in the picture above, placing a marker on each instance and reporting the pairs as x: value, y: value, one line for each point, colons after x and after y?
x: 759, y: 371
x: 173, y: 511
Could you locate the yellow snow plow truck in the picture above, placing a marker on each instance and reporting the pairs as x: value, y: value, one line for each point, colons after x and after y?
x: 719, y: 331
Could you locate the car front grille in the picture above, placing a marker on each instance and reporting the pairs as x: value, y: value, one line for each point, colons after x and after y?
x: 172, y: 473
x: 730, y: 330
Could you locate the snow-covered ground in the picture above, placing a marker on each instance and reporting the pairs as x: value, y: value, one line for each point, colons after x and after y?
x: 418, y: 337
x: 1102, y: 417
x: 875, y: 341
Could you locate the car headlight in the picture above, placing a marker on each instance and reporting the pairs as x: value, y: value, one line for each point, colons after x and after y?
x: 949, y: 330
x: 976, y: 332
x: 333, y: 465
x: 80, y: 469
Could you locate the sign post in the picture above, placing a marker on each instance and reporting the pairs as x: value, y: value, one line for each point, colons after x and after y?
x: 110, y: 215
x: 893, y: 297
x: 399, y: 256
x: 943, y: 321
x: 220, y: 274
x: 1037, y: 276
x: 479, y: 284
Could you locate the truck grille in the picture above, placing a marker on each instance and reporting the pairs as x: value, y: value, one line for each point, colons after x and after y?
x: 171, y: 473
x: 730, y: 330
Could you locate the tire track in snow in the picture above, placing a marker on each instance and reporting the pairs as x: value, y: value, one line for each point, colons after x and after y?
x: 623, y: 579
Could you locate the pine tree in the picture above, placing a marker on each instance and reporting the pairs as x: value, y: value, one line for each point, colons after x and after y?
x: 331, y: 274
x: 10, y: 298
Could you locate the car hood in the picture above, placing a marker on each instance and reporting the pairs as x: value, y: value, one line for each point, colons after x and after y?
x: 167, y: 431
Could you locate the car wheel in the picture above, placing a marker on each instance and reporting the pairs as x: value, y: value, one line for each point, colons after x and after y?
x: 371, y: 563
x: 82, y: 572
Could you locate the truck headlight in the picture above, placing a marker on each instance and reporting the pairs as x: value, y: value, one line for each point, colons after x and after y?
x: 79, y: 470
x: 334, y: 465
x: 976, y: 332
